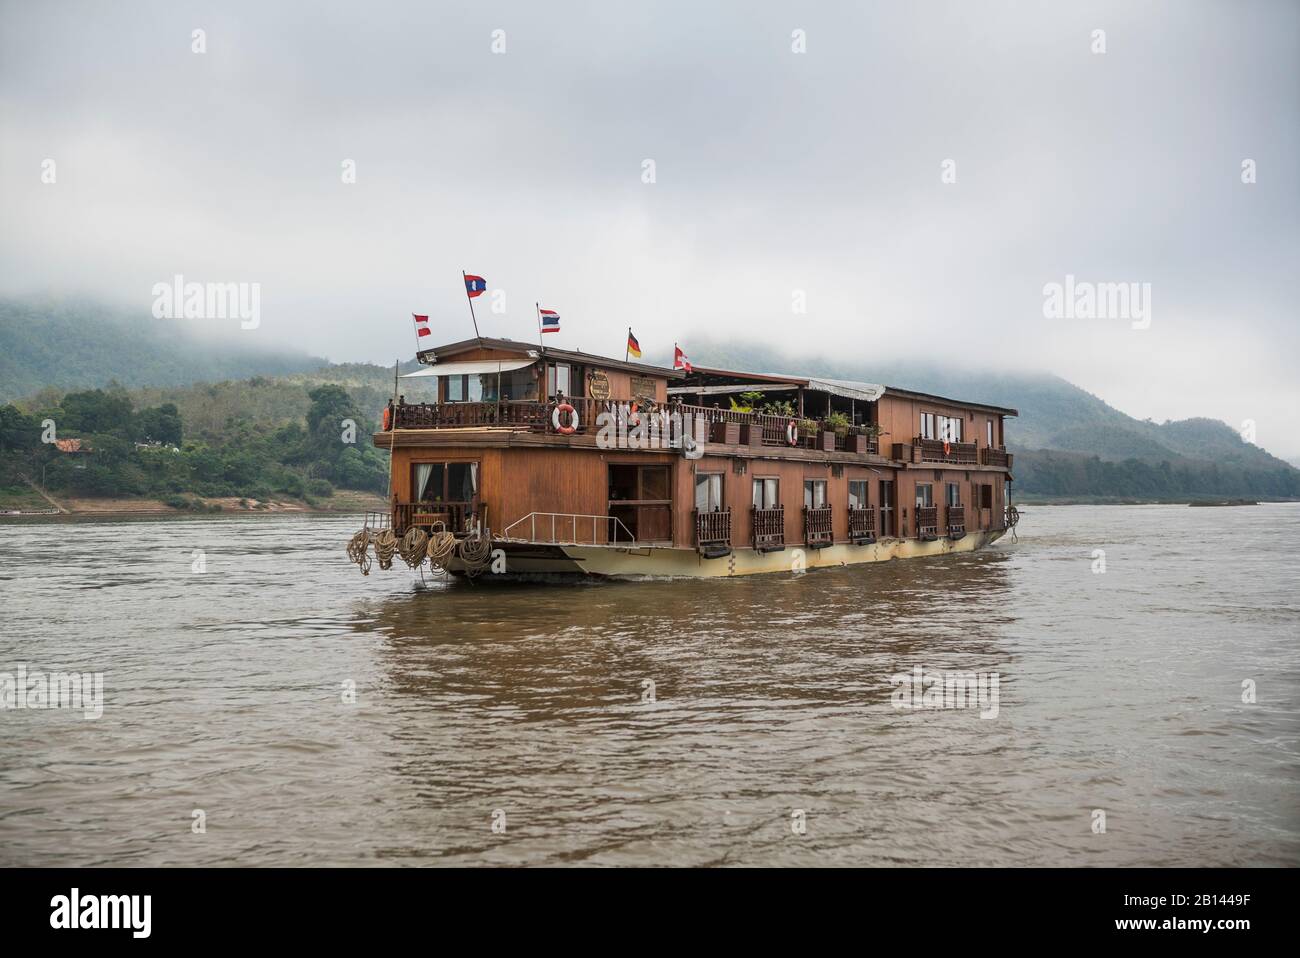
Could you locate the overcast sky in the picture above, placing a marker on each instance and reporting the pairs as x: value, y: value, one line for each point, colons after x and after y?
x: 775, y: 171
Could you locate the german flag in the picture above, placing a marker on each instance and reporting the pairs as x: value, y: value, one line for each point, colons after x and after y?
x: 633, y: 347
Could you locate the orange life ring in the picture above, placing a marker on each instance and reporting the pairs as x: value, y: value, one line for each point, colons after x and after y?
x: 555, y: 419
x: 388, y: 417
x: 792, y: 433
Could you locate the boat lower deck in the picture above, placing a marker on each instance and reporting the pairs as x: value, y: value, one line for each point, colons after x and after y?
x: 517, y: 560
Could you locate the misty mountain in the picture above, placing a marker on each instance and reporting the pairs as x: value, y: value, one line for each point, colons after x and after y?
x: 70, y: 344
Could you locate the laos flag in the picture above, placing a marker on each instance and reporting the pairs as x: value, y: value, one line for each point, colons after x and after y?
x: 474, y: 285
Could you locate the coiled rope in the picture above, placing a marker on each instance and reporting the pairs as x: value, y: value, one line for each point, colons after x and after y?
x: 475, y: 550
x: 412, y: 547
x: 441, y: 548
x: 358, y: 550
x: 385, y: 541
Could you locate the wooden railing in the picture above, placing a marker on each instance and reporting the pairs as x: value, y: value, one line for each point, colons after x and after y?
x: 538, y: 417
x: 958, y: 452
x: 995, y: 457
x: 769, y: 529
x: 456, y: 517
x: 956, y: 521
x: 713, y: 528
x: 817, y: 526
x: 927, y: 522
x: 862, y: 524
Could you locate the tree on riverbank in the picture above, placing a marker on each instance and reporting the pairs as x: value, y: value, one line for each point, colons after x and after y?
x: 143, y: 452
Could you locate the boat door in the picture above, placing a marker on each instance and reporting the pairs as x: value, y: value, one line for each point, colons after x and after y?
x: 640, y: 497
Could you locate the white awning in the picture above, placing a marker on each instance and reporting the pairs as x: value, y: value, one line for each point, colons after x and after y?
x: 471, y: 368
x: 848, y: 389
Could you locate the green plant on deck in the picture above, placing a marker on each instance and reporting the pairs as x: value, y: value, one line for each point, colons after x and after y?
x: 809, y: 427
x: 838, y: 423
x: 777, y: 407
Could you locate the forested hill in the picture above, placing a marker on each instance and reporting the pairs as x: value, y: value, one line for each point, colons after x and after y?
x: 72, y: 344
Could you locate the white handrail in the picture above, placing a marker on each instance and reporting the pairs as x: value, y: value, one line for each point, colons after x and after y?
x: 532, y: 518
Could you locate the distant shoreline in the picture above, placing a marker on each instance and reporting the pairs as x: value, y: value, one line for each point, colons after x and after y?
x: 344, y: 502
x: 1032, y: 500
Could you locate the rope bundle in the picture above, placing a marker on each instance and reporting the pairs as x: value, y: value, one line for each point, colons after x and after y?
x: 475, y: 550
x: 358, y: 550
x: 412, y: 547
x: 441, y: 548
x: 385, y: 548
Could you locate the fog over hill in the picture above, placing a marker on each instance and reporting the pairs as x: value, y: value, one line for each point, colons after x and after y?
x: 79, y: 344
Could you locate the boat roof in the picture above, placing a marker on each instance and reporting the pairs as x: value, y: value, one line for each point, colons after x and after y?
x: 537, y: 351
x: 847, y: 388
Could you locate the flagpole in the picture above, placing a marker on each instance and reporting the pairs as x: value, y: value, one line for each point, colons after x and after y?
x: 540, y: 342
x: 471, y: 304
x: 627, y: 346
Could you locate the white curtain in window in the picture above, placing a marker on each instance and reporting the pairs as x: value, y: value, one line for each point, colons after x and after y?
x: 473, y: 478
x: 422, y: 472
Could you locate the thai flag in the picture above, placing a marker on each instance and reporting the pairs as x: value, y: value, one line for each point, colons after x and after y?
x: 421, y: 326
x: 679, y: 359
x: 474, y: 285
x: 550, y: 321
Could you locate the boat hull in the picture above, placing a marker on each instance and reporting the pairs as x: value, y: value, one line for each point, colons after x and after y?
x: 541, y: 561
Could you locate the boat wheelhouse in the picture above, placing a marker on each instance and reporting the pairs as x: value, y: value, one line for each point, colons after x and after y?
x: 526, y: 460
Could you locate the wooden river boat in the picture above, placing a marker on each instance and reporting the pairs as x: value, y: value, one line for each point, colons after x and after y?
x: 542, y: 462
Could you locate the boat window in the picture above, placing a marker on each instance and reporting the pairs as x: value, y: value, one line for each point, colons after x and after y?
x: 766, y: 493
x: 927, y: 425
x: 444, y: 481
x: 989, y: 423
x: 858, y: 494
x: 954, y: 494
x: 986, y: 496
x: 557, y: 380
x: 924, y: 495
x: 814, y: 493
x: 455, y: 389
x: 949, y: 429
x: 430, y: 481
x: 461, y: 481
x: 475, y: 388
x: 708, y: 492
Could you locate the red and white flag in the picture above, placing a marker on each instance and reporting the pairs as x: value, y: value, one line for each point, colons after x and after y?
x: 679, y: 359
x: 421, y: 327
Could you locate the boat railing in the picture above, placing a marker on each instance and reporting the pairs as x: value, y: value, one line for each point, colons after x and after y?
x: 817, y: 527
x: 956, y: 521
x: 567, y: 528
x: 455, y: 517
x: 669, y: 418
x: 769, y: 529
x: 927, y: 522
x: 932, y: 450
x: 862, y: 523
x: 713, y: 527
x: 995, y: 457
